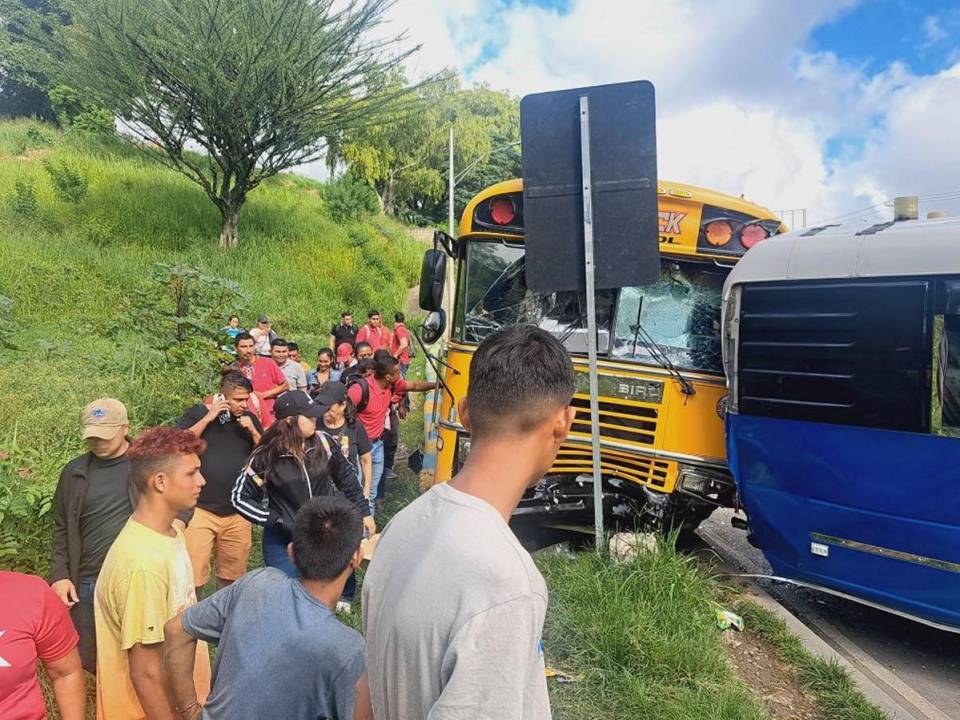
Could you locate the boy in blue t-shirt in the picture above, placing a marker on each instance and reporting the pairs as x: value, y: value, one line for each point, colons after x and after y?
x: 267, y: 621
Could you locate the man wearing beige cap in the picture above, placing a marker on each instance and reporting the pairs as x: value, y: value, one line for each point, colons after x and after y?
x: 93, y: 500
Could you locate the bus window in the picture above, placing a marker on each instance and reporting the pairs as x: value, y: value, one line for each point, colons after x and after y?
x: 679, y: 316
x: 497, y: 296
x: 946, y: 388
x: 854, y: 352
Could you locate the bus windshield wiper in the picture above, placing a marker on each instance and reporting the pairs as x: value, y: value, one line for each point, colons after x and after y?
x: 659, y: 355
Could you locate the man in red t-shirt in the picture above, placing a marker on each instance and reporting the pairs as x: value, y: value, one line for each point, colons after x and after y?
x: 266, y: 376
x: 372, y: 398
x: 374, y: 332
x: 400, y: 343
x: 35, y: 625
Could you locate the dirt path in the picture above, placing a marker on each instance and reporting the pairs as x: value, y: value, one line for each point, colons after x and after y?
x: 770, y: 678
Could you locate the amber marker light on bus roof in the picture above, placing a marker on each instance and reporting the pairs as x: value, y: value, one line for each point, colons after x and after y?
x: 718, y: 232
x: 502, y: 210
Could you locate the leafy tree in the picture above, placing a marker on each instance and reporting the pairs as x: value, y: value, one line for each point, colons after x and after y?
x: 405, y: 160
x: 26, y: 29
x: 231, y: 93
x: 76, y: 111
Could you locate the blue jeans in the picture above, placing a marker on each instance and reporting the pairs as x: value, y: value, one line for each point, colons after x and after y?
x: 376, y: 456
x: 349, y: 588
x: 275, y: 551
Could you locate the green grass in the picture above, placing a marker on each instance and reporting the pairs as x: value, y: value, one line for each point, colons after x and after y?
x: 73, y: 269
x: 835, y: 691
x: 642, y: 637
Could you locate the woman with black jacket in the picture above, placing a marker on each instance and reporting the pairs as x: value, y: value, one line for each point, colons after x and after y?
x: 292, y: 464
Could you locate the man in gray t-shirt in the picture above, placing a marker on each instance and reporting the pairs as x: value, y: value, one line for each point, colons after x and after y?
x: 281, y: 652
x: 294, y: 373
x: 453, y: 606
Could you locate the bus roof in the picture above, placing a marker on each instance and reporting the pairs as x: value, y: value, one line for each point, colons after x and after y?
x: 892, y: 249
x: 665, y: 187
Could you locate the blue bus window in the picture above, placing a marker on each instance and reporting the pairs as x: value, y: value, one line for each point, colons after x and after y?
x: 946, y: 398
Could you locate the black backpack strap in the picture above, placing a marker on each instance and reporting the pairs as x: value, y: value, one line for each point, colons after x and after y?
x: 364, y: 391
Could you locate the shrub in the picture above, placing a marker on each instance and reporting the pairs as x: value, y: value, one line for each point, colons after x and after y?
x: 36, y: 137
x: 74, y: 111
x: 7, y: 323
x: 178, y: 312
x: 69, y: 184
x: 351, y: 199
x: 99, y: 229
x: 24, y: 199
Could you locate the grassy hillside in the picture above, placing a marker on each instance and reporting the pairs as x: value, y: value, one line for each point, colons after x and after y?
x: 74, y: 260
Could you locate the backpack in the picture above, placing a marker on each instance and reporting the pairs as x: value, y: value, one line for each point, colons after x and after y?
x: 364, y: 391
x: 412, y: 348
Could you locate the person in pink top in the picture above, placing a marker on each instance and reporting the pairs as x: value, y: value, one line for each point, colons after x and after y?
x: 266, y: 376
x: 374, y: 332
x: 35, y: 625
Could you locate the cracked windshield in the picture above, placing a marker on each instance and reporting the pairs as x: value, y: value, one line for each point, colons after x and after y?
x: 677, y: 318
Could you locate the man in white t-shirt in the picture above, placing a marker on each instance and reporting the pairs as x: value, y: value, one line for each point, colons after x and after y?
x: 453, y: 606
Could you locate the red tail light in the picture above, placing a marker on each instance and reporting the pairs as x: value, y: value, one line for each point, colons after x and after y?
x: 502, y: 210
x: 751, y: 234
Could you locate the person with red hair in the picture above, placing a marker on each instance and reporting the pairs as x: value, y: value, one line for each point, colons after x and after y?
x: 146, y: 579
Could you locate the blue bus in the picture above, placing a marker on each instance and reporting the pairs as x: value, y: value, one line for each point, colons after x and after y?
x: 842, y: 356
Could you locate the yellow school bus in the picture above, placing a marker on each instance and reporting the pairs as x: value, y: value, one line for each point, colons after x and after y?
x: 662, y: 389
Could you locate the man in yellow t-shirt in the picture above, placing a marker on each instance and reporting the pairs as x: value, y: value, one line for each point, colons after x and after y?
x: 146, y: 579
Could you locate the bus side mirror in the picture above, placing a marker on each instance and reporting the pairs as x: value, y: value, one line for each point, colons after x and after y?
x: 433, y: 326
x: 433, y: 273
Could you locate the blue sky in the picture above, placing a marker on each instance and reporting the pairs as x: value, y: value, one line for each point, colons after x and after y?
x: 920, y: 33
x: 828, y: 105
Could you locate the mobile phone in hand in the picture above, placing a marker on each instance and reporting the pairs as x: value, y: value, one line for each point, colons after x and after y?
x: 225, y: 416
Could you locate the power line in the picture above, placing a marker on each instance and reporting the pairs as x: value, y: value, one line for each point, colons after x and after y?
x: 940, y: 196
x: 852, y: 215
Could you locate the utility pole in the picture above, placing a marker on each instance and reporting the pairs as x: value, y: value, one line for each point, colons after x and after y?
x: 450, y: 186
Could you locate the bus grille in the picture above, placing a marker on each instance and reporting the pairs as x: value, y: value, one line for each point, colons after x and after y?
x: 575, y: 459
x: 618, y: 421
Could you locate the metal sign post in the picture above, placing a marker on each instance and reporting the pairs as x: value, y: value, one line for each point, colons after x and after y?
x: 588, y: 269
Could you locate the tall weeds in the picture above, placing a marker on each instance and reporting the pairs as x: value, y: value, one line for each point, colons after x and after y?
x: 642, y: 637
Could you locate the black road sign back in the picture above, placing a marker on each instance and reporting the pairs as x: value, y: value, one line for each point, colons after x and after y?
x: 623, y: 148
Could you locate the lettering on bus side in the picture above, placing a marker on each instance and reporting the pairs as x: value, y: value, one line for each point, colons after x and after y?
x: 669, y: 226
x: 669, y: 221
x: 623, y: 388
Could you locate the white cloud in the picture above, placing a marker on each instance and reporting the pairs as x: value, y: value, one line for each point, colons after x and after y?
x: 768, y: 157
x: 743, y: 105
x: 915, y: 151
x: 932, y: 30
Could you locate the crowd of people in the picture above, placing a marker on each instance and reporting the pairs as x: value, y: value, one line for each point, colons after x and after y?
x: 452, y: 605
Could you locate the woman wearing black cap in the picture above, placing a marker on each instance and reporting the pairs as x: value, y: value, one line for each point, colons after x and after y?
x: 292, y: 464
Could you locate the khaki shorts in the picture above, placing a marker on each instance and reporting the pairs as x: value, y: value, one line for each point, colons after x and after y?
x: 228, y: 536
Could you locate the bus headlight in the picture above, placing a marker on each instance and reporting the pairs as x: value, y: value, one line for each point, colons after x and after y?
x: 695, y: 482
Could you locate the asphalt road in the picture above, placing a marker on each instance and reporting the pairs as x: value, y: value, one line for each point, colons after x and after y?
x: 916, y: 664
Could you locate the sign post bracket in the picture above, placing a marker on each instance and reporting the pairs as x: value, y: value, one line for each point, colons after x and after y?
x: 588, y: 266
